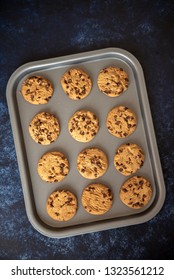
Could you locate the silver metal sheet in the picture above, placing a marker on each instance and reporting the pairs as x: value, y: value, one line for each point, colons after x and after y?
x: 37, y: 191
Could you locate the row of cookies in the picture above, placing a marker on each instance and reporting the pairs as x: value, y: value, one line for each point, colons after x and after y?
x: 92, y: 163
x: 97, y: 199
x: 76, y: 83
x: 83, y: 126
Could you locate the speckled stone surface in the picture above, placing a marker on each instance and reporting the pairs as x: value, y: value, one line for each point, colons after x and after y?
x: 33, y: 30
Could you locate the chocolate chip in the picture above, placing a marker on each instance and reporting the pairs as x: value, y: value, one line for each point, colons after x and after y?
x: 141, y: 182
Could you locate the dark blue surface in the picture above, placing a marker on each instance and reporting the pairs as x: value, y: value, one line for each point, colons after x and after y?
x: 33, y: 30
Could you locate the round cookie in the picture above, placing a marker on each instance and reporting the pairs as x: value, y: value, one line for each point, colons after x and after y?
x: 76, y: 83
x: 44, y: 128
x: 113, y: 81
x: 97, y: 199
x: 53, y: 167
x: 92, y: 163
x: 83, y: 126
x: 61, y: 205
x: 121, y: 121
x: 136, y: 192
x: 128, y: 159
x: 37, y: 90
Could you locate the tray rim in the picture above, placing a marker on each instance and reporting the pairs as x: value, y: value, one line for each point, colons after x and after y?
x: 33, y: 217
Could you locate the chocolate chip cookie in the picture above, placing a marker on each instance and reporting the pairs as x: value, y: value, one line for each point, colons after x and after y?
x: 92, y: 163
x: 53, y: 167
x: 136, y: 192
x: 83, y: 126
x: 44, y: 128
x: 76, y: 83
x: 37, y: 90
x: 113, y: 81
x: 61, y: 205
x: 128, y: 158
x: 121, y: 121
x: 97, y: 199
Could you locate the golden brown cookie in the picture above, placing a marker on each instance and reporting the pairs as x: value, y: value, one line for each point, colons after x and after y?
x: 83, y: 126
x: 97, y: 199
x: 53, y: 167
x: 92, y: 163
x: 128, y: 158
x: 121, y: 121
x: 61, y: 205
x: 44, y: 128
x: 136, y: 192
x: 113, y: 81
x: 37, y: 90
x: 76, y: 83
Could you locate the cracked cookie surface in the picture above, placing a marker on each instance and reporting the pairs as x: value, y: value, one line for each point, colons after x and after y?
x: 83, y: 126
x: 44, y: 128
x: 121, y: 121
x: 136, y: 192
x: 76, y: 83
x: 128, y: 159
x: 61, y: 205
x: 113, y: 81
x: 37, y: 90
x: 97, y: 199
x: 92, y: 163
x: 53, y: 167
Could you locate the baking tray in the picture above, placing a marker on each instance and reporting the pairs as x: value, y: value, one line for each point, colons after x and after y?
x: 28, y: 152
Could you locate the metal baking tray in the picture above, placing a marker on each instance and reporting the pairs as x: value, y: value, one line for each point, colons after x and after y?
x: 37, y: 191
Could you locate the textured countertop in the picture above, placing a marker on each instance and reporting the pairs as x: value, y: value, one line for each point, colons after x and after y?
x: 33, y: 30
